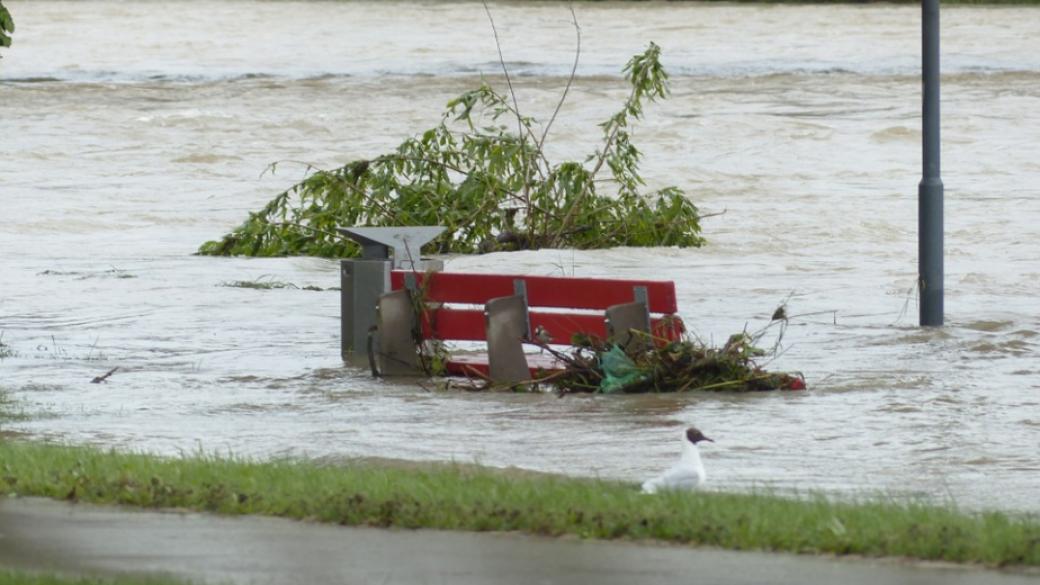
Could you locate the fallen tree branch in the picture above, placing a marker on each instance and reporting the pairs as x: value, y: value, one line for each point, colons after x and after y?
x: 104, y: 377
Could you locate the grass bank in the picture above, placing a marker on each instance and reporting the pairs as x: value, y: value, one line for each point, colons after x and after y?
x: 458, y: 497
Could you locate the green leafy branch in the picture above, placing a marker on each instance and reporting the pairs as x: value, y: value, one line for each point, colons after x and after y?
x: 6, y: 26
x: 492, y: 186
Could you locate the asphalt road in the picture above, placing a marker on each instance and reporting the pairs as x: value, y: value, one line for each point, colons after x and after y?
x: 80, y: 538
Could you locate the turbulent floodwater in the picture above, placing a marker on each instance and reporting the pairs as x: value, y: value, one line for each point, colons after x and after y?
x: 132, y: 131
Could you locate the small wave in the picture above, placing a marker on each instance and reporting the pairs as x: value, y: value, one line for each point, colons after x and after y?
x: 981, y: 461
x: 1012, y: 347
x: 922, y: 336
x: 988, y: 326
x: 205, y: 158
x: 246, y: 408
x: 189, y: 116
x: 899, y: 408
x: 186, y: 78
x: 321, y: 77
x: 896, y: 134
x: 39, y: 79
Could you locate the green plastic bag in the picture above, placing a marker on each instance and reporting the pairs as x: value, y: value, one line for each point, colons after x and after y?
x: 619, y: 371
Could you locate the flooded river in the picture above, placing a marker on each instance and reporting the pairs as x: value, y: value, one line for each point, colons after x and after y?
x: 132, y: 131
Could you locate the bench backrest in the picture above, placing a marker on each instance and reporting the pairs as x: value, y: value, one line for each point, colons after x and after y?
x: 543, y: 292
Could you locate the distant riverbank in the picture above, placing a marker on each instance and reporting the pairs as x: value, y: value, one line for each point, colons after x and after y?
x: 942, y: 2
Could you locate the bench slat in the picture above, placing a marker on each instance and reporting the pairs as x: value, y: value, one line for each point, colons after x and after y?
x: 471, y: 366
x: 468, y: 325
x: 542, y: 291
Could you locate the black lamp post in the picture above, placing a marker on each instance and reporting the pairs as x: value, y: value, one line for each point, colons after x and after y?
x: 930, y: 190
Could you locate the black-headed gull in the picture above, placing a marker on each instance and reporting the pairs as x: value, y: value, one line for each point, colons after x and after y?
x: 688, y: 473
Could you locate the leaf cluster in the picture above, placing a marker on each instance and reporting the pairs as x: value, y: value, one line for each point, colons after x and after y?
x: 488, y: 182
x: 6, y: 26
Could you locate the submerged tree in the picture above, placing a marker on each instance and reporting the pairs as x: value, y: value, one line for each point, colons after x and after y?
x: 490, y: 183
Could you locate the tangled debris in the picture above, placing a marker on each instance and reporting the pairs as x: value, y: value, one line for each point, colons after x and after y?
x: 669, y: 359
x: 597, y: 366
x: 262, y: 284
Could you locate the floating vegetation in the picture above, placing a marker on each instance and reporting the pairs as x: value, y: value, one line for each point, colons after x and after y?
x: 258, y: 284
x: 110, y: 273
x: 262, y: 284
x: 483, y: 173
x: 5, y: 350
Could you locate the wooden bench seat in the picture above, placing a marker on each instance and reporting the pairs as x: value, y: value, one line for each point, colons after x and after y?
x: 506, y: 311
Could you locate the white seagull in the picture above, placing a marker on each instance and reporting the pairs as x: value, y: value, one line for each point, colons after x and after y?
x: 688, y: 473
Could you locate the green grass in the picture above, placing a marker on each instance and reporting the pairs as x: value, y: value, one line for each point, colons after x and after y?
x: 456, y: 497
x: 12, y: 577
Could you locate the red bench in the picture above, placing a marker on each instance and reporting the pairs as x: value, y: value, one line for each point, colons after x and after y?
x: 506, y: 311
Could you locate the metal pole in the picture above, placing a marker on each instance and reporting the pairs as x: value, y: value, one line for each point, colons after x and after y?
x: 930, y: 190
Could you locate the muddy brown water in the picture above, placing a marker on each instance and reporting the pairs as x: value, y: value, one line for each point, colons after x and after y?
x: 133, y: 131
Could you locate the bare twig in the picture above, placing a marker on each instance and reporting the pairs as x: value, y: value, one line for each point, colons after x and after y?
x: 595, y: 169
x: 570, y: 80
x: 273, y: 167
x: 516, y: 103
x: 715, y: 214
x: 556, y: 353
x: 370, y: 348
x: 910, y: 293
